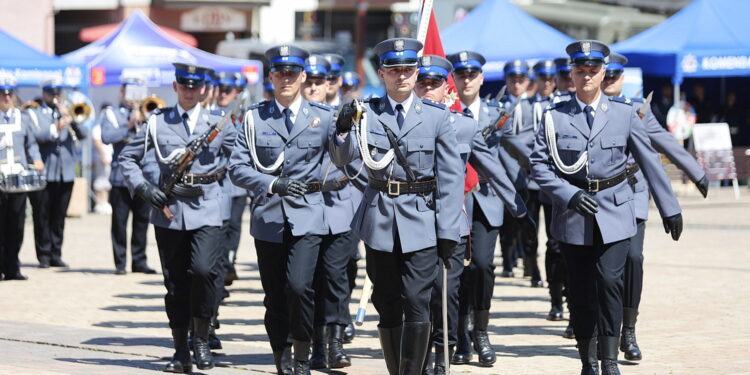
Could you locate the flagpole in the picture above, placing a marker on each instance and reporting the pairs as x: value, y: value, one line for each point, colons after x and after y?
x: 424, y: 21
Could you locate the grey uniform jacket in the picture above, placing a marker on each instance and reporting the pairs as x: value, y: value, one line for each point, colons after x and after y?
x: 114, y: 123
x: 340, y: 205
x: 508, y: 147
x: 615, y: 134
x: 539, y: 104
x: 474, y: 150
x: 25, y: 149
x: 303, y: 156
x: 58, y: 149
x: 429, y: 145
x: 189, y: 213
x: 665, y: 143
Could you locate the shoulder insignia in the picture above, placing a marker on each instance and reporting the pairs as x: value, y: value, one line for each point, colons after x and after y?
x: 217, y: 112
x: 492, y: 103
x: 637, y: 100
x: 433, y: 103
x: 620, y: 99
x: 462, y: 114
x: 159, y: 111
x: 321, y: 106
x: 257, y: 105
x: 555, y: 105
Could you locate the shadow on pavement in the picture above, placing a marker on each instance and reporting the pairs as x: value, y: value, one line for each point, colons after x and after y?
x: 140, y: 295
x: 129, y: 324
x: 129, y: 341
x: 146, y: 364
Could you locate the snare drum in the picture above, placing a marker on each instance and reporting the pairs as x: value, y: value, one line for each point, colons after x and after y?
x: 24, y: 182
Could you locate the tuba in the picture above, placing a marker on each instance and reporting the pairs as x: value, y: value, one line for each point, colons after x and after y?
x: 150, y: 104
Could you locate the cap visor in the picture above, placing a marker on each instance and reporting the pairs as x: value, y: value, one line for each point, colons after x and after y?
x: 287, y: 68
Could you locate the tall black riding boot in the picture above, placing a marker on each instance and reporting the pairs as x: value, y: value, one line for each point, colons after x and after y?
x: 390, y: 341
x: 202, y: 352
x: 318, y: 357
x: 213, y: 340
x: 301, y: 357
x: 337, y: 358
x: 556, y: 298
x: 628, y: 343
x: 462, y: 356
x: 415, y: 339
x: 608, y: 345
x: 180, y: 363
x: 482, y: 340
x: 440, y: 367
x: 283, y: 359
x: 587, y: 352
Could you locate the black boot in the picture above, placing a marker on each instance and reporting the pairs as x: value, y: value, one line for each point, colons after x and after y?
x: 390, y: 341
x: 440, y: 368
x: 415, y: 339
x: 462, y: 356
x: 555, y: 293
x: 213, y: 340
x: 318, y: 357
x: 628, y: 343
x: 202, y: 352
x: 569, y: 332
x: 587, y: 351
x: 337, y: 358
x: 283, y: 360
x: 301, y: 357
x: 180, y: 363
x: 349, y: 333
x: 608, y: 345
x: 482, y: 340
x: 429, y: 361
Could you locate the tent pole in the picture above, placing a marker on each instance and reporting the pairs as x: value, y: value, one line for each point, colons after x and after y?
x: 676, y: 95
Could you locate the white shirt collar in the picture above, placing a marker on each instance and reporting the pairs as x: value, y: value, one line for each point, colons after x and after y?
x: 192, y: 115
x: 406, y: 103
x: 474, y: 107
x: 336, y: 101
x: 296, y: 104
x: 594, y: 104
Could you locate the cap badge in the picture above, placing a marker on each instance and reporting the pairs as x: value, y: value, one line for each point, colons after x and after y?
x: 463, y: 56
x: 426, y: 60
x: 191, y: 69
x: 284, y: 51
x: 398, y: 44
x: 313, y: 60
x: 586, y: 48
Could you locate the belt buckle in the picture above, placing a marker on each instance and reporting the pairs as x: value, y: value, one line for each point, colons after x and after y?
x: 593, y: 186
x: 188, y: 179
x: 391, y: 190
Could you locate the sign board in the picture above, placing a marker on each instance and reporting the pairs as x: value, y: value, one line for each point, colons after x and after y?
x: 712, y: 137
x: 213, y: 19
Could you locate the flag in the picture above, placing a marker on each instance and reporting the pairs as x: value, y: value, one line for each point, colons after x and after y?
x: 434, y: 46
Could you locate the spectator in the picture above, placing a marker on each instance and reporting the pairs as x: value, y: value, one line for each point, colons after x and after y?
x: 704, y: 108
x: 101, y: 160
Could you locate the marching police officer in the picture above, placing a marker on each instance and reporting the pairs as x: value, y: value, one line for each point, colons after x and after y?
x: 58, y: 136
x: 119, y: 125
x: 486, y: 212
x: 278, y: 158
x: 665, y: 143
x: 333, y: 97
x: 18, y: 152
x: 187, y: 218
x: 563, y: 82
x: 349, y: 84
x: 432, y: 85
x: 409, y: 149
x: 580, y: 159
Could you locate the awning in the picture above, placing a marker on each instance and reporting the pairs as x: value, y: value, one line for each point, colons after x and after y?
x: 90, y: 34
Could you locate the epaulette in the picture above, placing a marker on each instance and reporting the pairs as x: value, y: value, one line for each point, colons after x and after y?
x: 217, y: 112
x: 321, y: 106
x: 462, y: 114
x: 159, y: 111
x: 620, y: 99
x: 257, y: 105
x: 637, y: 100
x: 492, y: 103
x: 434, y: 103
x: 562, y: 93
x: 554, y: 105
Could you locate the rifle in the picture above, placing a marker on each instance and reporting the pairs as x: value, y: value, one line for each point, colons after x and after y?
x: 183, y: 163
x: 502, y: 119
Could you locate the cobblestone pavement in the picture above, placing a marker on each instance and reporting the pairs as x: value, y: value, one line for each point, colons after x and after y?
x: 86, y: 320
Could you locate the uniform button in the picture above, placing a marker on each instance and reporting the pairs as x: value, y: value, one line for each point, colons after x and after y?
x: 288, y: 146
x: 591, y: 144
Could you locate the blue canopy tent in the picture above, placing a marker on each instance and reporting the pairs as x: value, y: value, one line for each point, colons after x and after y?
x: 707, y: 38
x: 501, y: 31
x: 138, y: 46
x: 31, y: 67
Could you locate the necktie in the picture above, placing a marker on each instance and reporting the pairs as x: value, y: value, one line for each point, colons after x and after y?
x: 467, y: 111
x: 185, y: 118
x: 399, y: 115
x: 589, y: 115
x: 7, y: 119
x: 288, y: 119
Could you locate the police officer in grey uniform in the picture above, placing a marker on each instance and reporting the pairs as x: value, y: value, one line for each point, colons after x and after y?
x: 335, y: 80
x: 189, y: 241
x: 485, y: 208
x: 278, y: 158
x: 119, y: 125
x: 580, y: 159
x: 58, y: 137
x: 18, y: 152
x: 563, y: 82
x: 665, y: 143
x: 432, y: 85
x: 410, y: 151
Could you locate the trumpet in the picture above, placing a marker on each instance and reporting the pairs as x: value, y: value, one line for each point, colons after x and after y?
x: 150, y: 104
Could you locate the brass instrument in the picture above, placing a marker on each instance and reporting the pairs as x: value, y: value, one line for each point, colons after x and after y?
x: 81, y: 112
x: 151, y: 103
x: 30, y: 104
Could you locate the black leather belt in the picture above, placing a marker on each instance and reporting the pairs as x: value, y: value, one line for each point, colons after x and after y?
x: 202, y: 179
x: 396, y: 188
x: 632, y: 169
x: 596, y: 185
x: 313, y: 186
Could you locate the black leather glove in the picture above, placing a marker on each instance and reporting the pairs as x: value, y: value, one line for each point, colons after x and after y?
x: 332, y: 185
x: 445, y: 249
x: 673, y: 224
x: 584, y: 204
x: 152, y: 195
x: 286, y: 186
x: 344, y: 120
x: 702, y: 186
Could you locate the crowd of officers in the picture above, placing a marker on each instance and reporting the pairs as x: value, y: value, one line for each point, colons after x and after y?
x: 322, y: 172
